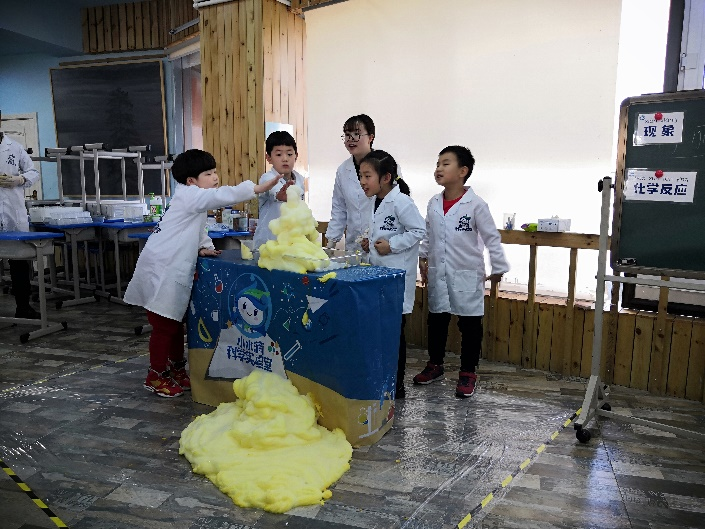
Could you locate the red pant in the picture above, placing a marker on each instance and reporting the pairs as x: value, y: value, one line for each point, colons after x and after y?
x: 166, y: 341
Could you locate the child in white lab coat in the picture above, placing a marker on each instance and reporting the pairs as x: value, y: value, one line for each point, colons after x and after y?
x: 451, y: 260
x: 282, y: 153
x: 165, y: 269
x: 395, y: 230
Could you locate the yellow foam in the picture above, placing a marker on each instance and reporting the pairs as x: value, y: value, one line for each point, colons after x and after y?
x: 296, y: 236
x: 266, y: 450
x: 245, y: 253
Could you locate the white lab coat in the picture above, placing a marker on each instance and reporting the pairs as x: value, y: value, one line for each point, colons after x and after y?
x: 270, y: 207
x: 398, y: 220
x: 164, y: 273
x: 351, y: 209
x: 455, y: 252
x: 15, y: 161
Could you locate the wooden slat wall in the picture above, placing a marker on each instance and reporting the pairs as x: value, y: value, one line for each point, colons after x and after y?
x: 684, y: 340
x: 284, y: 41
x: 640, y: 349
x: 252, y: 69
x: 303, y: 4
x: 136, y: 25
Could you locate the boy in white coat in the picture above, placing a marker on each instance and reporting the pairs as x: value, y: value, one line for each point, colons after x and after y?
x: 282, y: 154
x: 395, y: 230
x: 451, y: 261
x: 165, y: 269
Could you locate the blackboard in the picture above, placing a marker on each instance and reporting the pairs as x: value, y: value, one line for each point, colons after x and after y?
x: 659, y: 210
x: 120, y: 105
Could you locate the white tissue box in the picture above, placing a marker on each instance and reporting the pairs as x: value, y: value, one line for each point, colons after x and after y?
x: 554, y: 224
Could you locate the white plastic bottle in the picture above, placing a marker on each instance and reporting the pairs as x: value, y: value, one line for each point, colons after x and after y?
x: 155, y: 207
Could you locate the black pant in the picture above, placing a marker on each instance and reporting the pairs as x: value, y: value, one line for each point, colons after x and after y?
x: 401, y: 363
x: 470, y: 344
x: 21, y: 288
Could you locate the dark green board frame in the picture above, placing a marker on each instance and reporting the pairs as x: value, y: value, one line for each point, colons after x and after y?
x: 661, y: 238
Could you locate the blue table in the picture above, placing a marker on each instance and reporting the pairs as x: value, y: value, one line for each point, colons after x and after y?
x: 338, y: 338
x: 31, y: 245
x: 119, y: 232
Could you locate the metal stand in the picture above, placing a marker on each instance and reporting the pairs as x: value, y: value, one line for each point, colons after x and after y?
x: 596, y: 402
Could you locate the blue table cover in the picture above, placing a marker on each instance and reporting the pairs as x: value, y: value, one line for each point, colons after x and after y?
x: 339, y: 336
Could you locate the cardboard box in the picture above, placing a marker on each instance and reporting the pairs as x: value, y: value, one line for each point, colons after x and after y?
x: 334, y: 338
x: 554, y: 224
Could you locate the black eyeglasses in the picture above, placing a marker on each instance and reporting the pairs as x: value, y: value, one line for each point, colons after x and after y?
x: 352, y: 136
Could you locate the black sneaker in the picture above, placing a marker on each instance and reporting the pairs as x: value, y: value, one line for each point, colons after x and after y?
x: 27, y: 313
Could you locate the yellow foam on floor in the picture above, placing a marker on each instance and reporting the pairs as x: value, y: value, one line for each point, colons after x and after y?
x: 296, y: 247
x: 266, y: 450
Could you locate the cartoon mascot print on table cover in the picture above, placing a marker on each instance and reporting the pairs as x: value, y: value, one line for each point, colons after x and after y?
x: 244, y: 344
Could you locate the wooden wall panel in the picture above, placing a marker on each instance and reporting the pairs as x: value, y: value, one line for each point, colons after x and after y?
x: 641, y: 355
x: 303, y: 4
x: 696, y: 364
x: 576, y: 350
x: 558, y: 338
x: 516, y: 329
x: 635, y: 339
x: 678, y: 359
x: 284, y: 86
x: 252, y: 70
x: 136, y: 25
x: 625, y: 347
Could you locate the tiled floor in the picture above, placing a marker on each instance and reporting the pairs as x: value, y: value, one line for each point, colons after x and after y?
x: 78, y: 428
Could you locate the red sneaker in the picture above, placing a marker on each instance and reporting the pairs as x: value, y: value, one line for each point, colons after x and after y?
x: 178, y: 373
x: 430, y: 373
x: 466, y: 384
x: 162, y: 384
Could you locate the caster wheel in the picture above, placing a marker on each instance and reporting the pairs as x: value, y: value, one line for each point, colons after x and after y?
x: 59, y: 304
x: 24, y: 338
x: 606, y: 406
x: 583, y: 435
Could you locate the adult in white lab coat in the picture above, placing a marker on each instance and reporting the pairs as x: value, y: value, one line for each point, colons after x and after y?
x: 165, y: 269
x: 395, y: 230
x: 451, y: 259
x: 351, y: 209
x: 17, y: 173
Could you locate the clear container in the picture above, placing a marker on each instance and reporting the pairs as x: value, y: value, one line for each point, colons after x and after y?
x: 133, y: 214
x: 227, y: 217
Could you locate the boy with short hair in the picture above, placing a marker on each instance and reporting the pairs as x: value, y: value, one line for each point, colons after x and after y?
x: 165, y: 269
x: 451, y: 261
x: 282, y: 154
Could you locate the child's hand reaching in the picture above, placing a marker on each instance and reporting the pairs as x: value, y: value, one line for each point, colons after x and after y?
x: 208, y: 252
x: 365, y: 244
x: 423, y: 268
x: 281, y: 194
x: 266, y: 186
x: 382, y: 247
